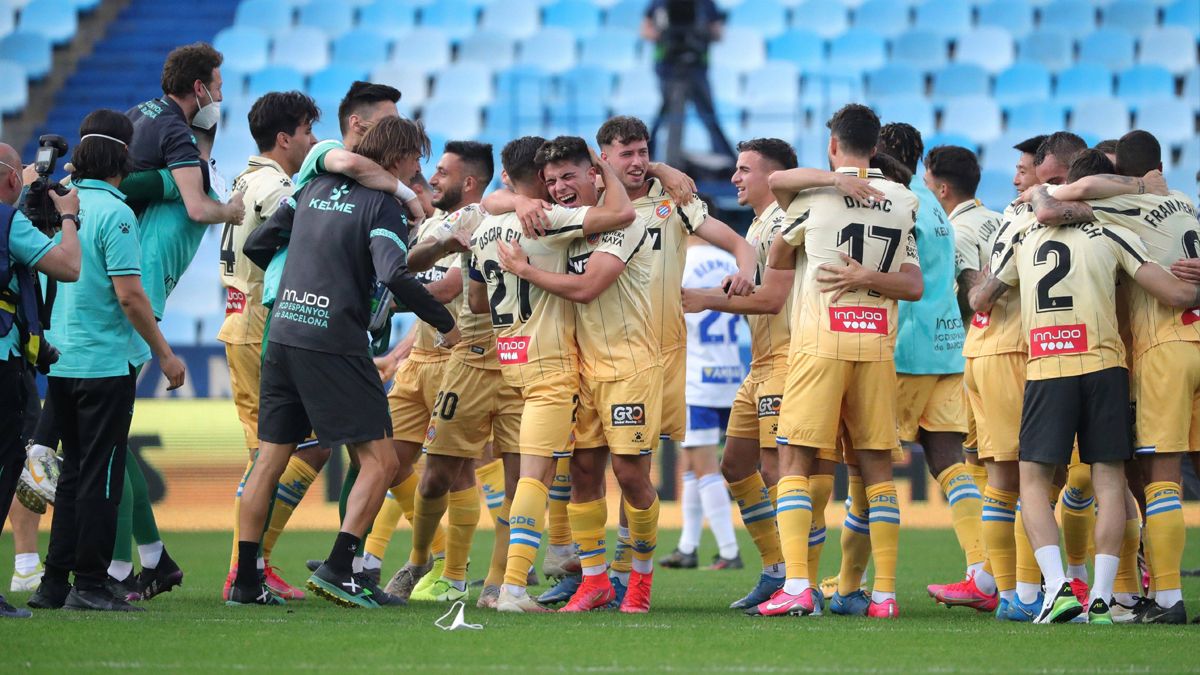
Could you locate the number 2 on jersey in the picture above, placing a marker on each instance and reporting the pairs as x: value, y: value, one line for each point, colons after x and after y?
x: 1062, y: 265
x: 730, y: 336
x: 492, y: 271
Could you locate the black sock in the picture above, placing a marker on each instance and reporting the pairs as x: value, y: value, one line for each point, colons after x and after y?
x: 247, y: 569
x: 341, y: 558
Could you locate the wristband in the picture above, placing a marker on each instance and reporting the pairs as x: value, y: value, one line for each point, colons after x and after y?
x: 69, y: 216
x: 404, y: 192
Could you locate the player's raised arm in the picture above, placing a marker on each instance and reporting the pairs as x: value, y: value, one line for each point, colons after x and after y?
x: 616, y: 211
x: 723, y: 237
x: 1104, y: 186
x: 200, y: 207
x: 388, y: 253
x: 768, y: 298
x: 601, y: 272
x: 371, y: 175
x: 262, y: 244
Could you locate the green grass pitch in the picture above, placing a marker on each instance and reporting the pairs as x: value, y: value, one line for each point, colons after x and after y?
x: 689, y: 629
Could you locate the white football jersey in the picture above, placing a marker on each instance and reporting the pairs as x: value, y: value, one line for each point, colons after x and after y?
x: 714, y: 362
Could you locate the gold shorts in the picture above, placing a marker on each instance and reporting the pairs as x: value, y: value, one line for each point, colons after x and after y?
x: 622, y: 415
x: 755, y: 410
x: 929, y: 402
x: 673, y: 421
x: 411, y: 398
x: 996, y: 391
x: 245, y: 372
x: 866, y: 390
x: 1167, y: 386
x: 472, y: 406
x: 971, y: 441
x: 548, y: 414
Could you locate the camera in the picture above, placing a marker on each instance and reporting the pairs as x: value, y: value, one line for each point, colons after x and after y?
x: 36, y: 204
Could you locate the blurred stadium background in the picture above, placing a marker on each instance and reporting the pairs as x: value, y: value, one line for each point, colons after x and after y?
x: 979, y: 73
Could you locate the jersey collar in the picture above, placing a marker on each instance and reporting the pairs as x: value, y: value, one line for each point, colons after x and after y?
x: 861, y: 173
x: 258, y: 162
x: 964, y: 207
x: 93, y: 184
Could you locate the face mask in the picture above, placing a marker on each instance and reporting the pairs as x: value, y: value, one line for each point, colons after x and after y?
x: 208, y: 115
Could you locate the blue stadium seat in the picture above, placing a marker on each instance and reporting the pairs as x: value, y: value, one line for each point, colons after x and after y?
x: 625, y: 15
x: 995, y: 187
x: 332, y: 83
x: 775, y: 82
x: 857, y: 51
x: 470, y: 83
x: 1049, y: 48
x: 577, y: 115
x: 1189, y: 159
x: 580, y: 78
x: 361, y: 46
x: 1173, y: 47
x: 827, y: 18
x: 1084, y: 81
x: 726, y: 83
x: 455, y: 18
x: 275, y: 78
x: 921, y: 49
x: 335, y: 18
x: 490, y: 48
x: 32, y: 50
x: 528, y: 85
x: 503, y: 120
x: 975, y: 117
x: 637, y: 94
x: 1015, y: 16
x: 987, y: 46
x: 612, y: 48
x: 999, y: 154
x: 56, y: 19
x: 882, y: 17
x: 304, y: 48
x: 1145, y: 83
x: 802, y: 47
x: 1183, y: 13
x: 769, y: 17
x: 915, y: 110
x: 824, y: 93
x: 433, y: 54
x: 1134, y: 16
x: 582, y: 17
x: 960, y: 79
x: 1102, y: 117
x: 947, y: 17
x: 552, y: 50
x: 271, y: 16
x: 515, y: 18
x: 390, y: 18
x: 1111, y: 47
x: 1024, y: 81
x: 244, y: 48
x: 895, y: 80
x: 812, y: 148
x: 1171, y: 120
x: 950, y: 138
x: 14, y: 95
x: 1035, y: 117
x: 1191, y: 87
x: 773, y: 120
x: 451, y: 118
x: 741, y: 49
x: 8, y: 18
x: 1072, y: 17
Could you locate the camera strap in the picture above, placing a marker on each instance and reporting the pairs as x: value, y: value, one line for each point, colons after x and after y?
x: 19, y: 308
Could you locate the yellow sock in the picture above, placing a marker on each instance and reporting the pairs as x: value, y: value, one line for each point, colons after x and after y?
x: 427, y: 513
x: 405, y: 493
x: 883, y: 514
x: 1165, y: 533
x: 526, y: 521
x: 794, y: 514
x: 623, y: 554
x: 856, y: 540
x: 1027, y: 569
x: 237, y: 513
x: 1148, y: 551
x: 560, y: 495
x: 293, y: 483
x: 588, y: 521
x: 495, y: 575
x: 820, y: 486
x: 462, y: 519
x: 490, y: 479
x: 385, y: 524
x: 758, y: 515
x: 966, y: 506
x: 1078, y: 514
x: 1127, y: 568
x: 978, y: 474
x: 773, y: 493
x: 999, y: 516
x: 643, y: 535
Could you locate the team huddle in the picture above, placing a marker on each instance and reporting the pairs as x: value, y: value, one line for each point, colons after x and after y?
x: 885, y: 309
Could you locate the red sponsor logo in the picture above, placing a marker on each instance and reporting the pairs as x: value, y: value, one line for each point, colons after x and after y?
x: 593, y: 239
x: 235, y: 301
x: 1057, y: 340
x: 871, y: 320
x: 663, y: 210
x: 512, y: 350
x: 981, y: 320
x: 1190, y: 316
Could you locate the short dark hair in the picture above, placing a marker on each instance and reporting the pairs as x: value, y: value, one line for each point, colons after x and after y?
x: 855, y: 126
x: 1030, y: 145
x: 957, y: 166
x: 773, y: 150
x: 1089, y: 162
x: 622, y: 129
x: 892, y: 168
x: 363, y: 94
x: 280, y: 111
x: 1107, y: 146
x: 1138, y: 153
x: 101, y: 158
x: 518, y: 155
x: 391, y: 138
x: 1064, y: 145
x: 476, y: 156
x: 186, y: 64
x: 902, y: 141
x: 563, y: 149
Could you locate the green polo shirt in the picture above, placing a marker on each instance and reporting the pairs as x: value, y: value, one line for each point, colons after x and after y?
x: 26, y: 246
x: 169, y: 240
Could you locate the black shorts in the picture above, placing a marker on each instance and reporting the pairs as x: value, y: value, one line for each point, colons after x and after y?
x: 339, y: 397
x: 1094, y: 407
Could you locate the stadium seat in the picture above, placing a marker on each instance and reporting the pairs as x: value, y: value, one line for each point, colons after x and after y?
x: 1111, y: 47
x: 528, y: 85
x: 14, y: 95
x: 773, y: 120
x: 1145, y: 83
x: 775, y: 82
x: 812, y: 148
x: 1024, y: 81
x: 950, y: 138
x: 581, y: 17
x: 1072, y: 17
x: 611, y: 48
x: 455, y: 18
x: 244, y: 48
x: 1171, y: 120
x: 987, y: 46
x: 8, y: 18
x: 503, y: 120
x: 1103, y: 117
x: 275, y: 78
x: 433, y: 54
x: 1189, y: 159
x: 882, y: 17
x: 1183, y: 13
x: 335, y: 18
x: 390, y: 18
x: 1133, y: 16
x: 625, y: 15
x: 1086, y: 80
x: 1014, y: 16
x: 827, y: 18
x: 637, y: 93
x: 995, y: 187
x: 515, y: 18
x: 496, y: 50
x: 740, y: 48
x: 822, y: 94
x: 975, y: 117
x: 1049, y: 48
x: 894, y: 80
x: 577, y: 115
x: 56, y: 19
x: 1173, y: 47
x: 960, y: 79
x: 915, y: 110
x: 452, y: 117
x: 921, y: 49
x: 272, y: 16
x: 856, y: 52
x: 552, y: 50
x: 331, y: 83
x: 361, y: 46
x: 470, y: 83
x: 1191, y: 87
x: 31, y: 50
x: 725, y: 82
x: 580, y: 78
x: 767, y: 16
x: 999, y: 154
x: 804, y: 48
x: 1035, y: 117
x: 946, y: 17
x: 304, y: 48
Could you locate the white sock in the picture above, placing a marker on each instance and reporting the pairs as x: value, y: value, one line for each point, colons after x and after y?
x: 974, y: 569
x: 775, y: 571
x: 150, y: 554
x: 693, y: 514
x: 1167, y: 598
x: 26, y: 563
x: 643, y: 566
x: 262, y: 563
x: 1008, y: 595
x: 795, y: 586
x: 1049, y: 560
x: 714, y: 497
x: 356, y: 565
x: 120, y: 569
x: 1077, y: 572
x: 458, y: 584
x: 514, y: 590
x: 622, y: 577
x: 594, y: 570
x: 371, y: 562
x: 562, y: 550
x: 1027, y: 592
x: 880, y: 596
x: 985, y: 582
x: 1127, y: 599
x: 1106, y: 574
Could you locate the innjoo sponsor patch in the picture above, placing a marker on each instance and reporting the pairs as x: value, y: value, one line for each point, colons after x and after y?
x: 1190, y: 316
x: 1056, y: 340
x: 981, y: 320
x: 235, y: 301
x: 512, y: 350
x: 872, y: 320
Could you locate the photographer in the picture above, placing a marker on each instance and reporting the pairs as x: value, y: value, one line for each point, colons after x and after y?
x: 91, y: 386
x: 25, y: 249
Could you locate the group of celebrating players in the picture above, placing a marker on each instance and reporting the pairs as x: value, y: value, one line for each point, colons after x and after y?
x: 552, y: 338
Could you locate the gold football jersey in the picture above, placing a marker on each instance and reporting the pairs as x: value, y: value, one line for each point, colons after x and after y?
x: 771, y: 334
x: 999, y: 330
x: 425, y: 347
x: 975, y: 225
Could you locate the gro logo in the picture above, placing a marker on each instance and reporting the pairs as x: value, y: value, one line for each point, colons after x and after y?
x: 628, y: 414
x: 768, y: 406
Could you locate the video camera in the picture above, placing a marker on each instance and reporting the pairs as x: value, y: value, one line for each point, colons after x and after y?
x: 36, y: 204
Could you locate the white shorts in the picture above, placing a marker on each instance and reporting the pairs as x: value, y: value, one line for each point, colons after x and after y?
x: 704, y: 426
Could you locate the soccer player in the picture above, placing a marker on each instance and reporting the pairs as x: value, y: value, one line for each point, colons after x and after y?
x: 316, y: 368
x: 620, y: 375
x: 535, y: 339
x: 1024, y: 177
x: 753, y: 420
x: 281, y: 125
x: 843, y: 334
x: 1078, y: 383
